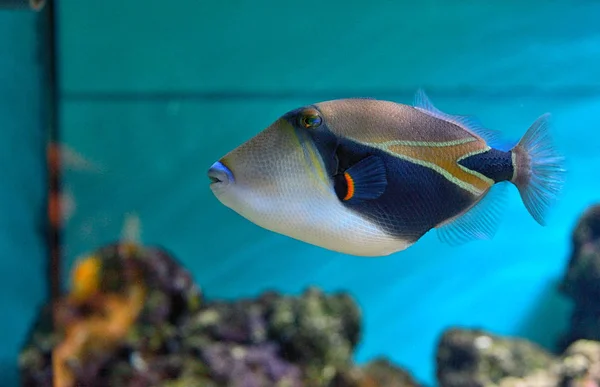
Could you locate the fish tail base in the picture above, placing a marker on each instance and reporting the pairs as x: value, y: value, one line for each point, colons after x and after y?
x: 538, y: 169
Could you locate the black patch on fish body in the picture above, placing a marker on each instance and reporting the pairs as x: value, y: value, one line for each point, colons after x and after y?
x: 494, y: 164
x: 416, y: 198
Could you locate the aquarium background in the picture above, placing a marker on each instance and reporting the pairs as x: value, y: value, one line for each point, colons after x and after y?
x: 23, y: 189
x: 152, y: 94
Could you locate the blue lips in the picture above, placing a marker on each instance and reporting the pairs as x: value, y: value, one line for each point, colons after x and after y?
x: 220, y: 174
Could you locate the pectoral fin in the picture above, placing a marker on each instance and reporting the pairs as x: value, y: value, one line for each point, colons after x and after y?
x: 365, y: 180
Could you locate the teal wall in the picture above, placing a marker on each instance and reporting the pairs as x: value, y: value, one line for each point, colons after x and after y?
x: 154, y: 93
x: 22, y: 182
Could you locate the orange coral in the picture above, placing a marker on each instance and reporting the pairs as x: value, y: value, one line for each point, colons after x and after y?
x: 86, y: 278
x: 111, y: 317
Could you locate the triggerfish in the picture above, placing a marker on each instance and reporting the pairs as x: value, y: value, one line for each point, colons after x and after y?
x: 368, y: 177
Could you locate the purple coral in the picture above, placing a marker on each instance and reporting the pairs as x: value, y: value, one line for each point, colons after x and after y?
x: 249, y: 366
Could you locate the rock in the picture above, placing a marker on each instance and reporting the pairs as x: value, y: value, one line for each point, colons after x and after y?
x: 540, y: 378
x: 475, y: 358
x: 581, y: 281
x: 377, y: 373
x: 580, y: 365
x: 178, y: 339
x: 380, y: 372
x: 315, y: 330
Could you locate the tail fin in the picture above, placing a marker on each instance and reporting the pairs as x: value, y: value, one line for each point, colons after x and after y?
x: 539, y: 171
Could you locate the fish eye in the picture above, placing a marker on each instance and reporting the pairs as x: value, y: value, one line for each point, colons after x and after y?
x: 310, y: 119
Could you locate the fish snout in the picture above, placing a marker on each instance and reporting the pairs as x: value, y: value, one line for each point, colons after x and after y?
x: 220, y: 175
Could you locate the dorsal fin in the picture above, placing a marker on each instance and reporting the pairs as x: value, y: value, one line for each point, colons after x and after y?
x: 479, y: 222
x: 469, y: 123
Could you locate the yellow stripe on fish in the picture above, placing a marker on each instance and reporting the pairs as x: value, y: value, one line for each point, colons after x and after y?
x: 311, y: 161
x: 443, y: 157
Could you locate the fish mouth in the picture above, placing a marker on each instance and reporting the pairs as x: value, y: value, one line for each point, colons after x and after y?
x: 214, y: 179
x: 219, y: 175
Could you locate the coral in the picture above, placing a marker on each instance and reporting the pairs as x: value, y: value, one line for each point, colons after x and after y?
x: 168, y: 335
x: 116, y: 292
x: 581, y: 281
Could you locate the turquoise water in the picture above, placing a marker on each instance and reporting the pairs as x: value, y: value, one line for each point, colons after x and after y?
x: 22, y: 265
x: 165, y: 91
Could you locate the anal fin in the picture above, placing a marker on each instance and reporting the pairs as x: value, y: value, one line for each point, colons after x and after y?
x: 481, y: 221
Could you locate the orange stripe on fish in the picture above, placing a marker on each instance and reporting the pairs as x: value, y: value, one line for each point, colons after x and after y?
x: 444, y: 159
x: 350, y: 185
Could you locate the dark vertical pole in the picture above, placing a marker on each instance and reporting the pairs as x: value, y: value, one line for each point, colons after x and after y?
x: 48, y: 41
x: 47, y: 54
